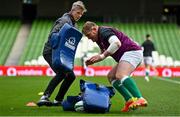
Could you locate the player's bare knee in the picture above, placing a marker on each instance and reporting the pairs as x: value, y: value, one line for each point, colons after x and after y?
x: 119, y: 76
x: 109, y: 76
x: 110, y: 80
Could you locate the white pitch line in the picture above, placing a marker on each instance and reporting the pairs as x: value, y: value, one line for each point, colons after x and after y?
x: 168, y: 80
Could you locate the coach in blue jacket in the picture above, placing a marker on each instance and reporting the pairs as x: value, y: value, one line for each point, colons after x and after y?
x: 71, y: 18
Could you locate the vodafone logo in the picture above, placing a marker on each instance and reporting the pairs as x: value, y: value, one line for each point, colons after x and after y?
x: 50, y: 72
x: 1, y: 72
x: 11, y: 71
x: 89, y: 72
x: 167, y: 72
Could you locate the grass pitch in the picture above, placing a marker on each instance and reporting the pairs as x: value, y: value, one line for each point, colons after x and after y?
x: 15, y: 92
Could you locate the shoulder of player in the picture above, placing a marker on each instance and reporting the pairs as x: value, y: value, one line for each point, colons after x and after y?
x: 103, y: 30
x: 65, y: 19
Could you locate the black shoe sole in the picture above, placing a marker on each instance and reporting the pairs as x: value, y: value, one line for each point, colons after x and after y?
x: 53, y: 104
x: 45, y: 104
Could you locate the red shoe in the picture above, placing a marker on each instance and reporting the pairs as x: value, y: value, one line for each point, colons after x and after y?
x: 141, y: 102
x: 127, y: 104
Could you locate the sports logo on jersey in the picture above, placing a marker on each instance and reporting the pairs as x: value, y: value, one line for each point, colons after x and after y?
x: 70, y: 43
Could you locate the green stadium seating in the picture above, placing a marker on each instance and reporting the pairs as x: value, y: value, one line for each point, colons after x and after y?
x: 165, y: 36
x: 8, y: 32
x: 37, y: 37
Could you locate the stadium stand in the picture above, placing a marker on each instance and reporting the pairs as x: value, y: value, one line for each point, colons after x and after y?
x: 8, y: 33
x: 37, y: 37
x: 19, y: 45
x: 165, y: 36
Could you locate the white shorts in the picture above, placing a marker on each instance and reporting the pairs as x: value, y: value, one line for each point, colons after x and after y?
x: 133, y: 57
x: 148, y: 60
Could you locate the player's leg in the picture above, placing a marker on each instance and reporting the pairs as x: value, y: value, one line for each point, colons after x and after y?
x: 117, y: 84
x: 128, y: 63
x: 147, y: 71
x: 44, y: 100
x: 123, y: 74
x: 53, y: 83
x: 121, y: 89
x: 148, y: 63
x: 67, y: 82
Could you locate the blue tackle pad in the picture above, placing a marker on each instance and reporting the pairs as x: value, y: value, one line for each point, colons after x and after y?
x: 64, y: 44
x: 68, y: 104
x: 96, y: 98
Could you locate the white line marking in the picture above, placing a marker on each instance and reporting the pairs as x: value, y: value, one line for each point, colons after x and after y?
x: 168, y: 80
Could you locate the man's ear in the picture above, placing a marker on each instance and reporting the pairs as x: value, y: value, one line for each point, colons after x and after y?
x: 93, y: 28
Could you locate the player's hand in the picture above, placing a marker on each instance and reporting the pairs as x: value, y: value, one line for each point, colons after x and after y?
x: 93, y: 60
x: 88, y: 62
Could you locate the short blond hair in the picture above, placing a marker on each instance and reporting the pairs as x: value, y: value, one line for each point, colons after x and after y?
x: 79, y: 4
x: 87, y: 27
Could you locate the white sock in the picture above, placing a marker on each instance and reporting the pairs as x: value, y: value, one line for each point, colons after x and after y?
x: 124, y: 78
x: 44, y: 97
x: 55, y: 101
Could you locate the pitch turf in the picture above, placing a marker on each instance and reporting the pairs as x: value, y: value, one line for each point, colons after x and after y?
x: 163, y: 97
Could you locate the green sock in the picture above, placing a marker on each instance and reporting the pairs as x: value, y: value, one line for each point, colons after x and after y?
x: 147, y: 72
x: 130, y: 84
x: 121, y: 89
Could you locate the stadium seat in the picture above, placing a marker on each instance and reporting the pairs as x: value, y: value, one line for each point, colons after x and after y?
x: 162, y: 59
x: 41, y: 61
x: 155, y: 56
x: 34, y: 62
x: 176, y: 63
x: 28, y: 63
x: 169, y: 61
